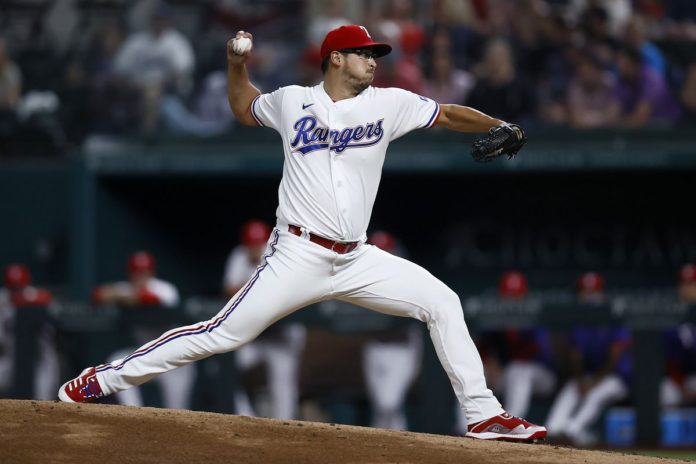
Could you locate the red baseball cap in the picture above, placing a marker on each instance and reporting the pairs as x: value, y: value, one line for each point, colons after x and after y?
x: 687, y: 273
x: 255, y: 233
x: 383, y: 240
x: 141, y: 261
x: 351, y: 36
x: 590, y: 282
x: 513, y: 284
x: 17, y: 276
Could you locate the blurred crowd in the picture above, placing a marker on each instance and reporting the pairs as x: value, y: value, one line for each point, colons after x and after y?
x: 74, y: 70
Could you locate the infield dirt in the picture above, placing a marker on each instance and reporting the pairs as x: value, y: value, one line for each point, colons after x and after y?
x: 53, y: 432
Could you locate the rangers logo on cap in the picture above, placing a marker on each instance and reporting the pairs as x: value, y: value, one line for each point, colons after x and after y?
x: 351, y: 36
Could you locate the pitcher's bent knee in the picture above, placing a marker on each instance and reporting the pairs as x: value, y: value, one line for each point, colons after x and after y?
x: 446, y: 306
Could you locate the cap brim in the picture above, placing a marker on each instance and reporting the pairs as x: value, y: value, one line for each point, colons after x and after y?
x: 381, y: 49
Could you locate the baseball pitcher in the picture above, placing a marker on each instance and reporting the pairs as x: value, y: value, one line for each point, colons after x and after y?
x: 335, y: 138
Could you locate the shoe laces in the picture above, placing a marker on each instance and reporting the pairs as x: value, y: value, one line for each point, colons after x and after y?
x: 89, y: 389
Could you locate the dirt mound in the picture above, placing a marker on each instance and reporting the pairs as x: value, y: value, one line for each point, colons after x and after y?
x: 40, y: 431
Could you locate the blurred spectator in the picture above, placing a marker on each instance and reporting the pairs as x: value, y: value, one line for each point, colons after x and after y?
x: 441, y: 43
x: 596, y: 32
x: 682, y: 10
x: 245, y: 257
x: 634, y: 37
x: 544, y: 54
x: 10, y: 79
x: 18, y: 290
x: 466, y: 23
x: 653, y: 9
x: 115, y: 105
x: 397, y: 70
x: 513, y: 285
x: 279, y: 347
x: 550, y: 63
x: 142, y: 289
x: 500, y: 91
x: 10, y: 91
x: 332, y: 16
x: 18, y: 294
x: 158, y: 61
x: 446, y: 83
x: 75, y: 95
x: 101, y: 53
x: 643, y: 94
x: 40, y: 131
x: 601, y: 19
x: 688, y: 94
x: 457, y: 14
x: 391, y: 359
x: 679, y: 386
x: 590, y: 288
x: 401, y: 68
x: 601, y: 369
x: 683, y: 19
x: 310, y: 66
x: 687, y: 283
x: 527, y: 354
x: 211, y: 115
x: 36, y: 57
x: 398, y: 26
x: 590, y: 100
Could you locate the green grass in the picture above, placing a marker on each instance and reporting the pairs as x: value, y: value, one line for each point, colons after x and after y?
x: 687, y: 455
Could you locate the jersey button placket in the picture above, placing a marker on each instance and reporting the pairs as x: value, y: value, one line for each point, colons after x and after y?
x: 337, y: 176
x: 339, y: 192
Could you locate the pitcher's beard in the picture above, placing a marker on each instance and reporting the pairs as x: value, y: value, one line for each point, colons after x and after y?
x: 358, y: 85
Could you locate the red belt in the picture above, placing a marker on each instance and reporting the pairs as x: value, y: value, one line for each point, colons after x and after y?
x: 339, y: 247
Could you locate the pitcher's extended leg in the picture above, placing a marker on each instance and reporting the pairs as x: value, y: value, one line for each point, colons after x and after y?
x: 291, y: 277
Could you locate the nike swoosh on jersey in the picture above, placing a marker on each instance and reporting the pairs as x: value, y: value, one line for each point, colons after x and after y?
x: 304, y: 107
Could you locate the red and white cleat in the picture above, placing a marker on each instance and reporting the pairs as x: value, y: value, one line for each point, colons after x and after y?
x: 506, y: 427
x: 81, y: 389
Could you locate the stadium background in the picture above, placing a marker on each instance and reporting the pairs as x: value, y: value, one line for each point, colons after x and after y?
x: 85, y: 178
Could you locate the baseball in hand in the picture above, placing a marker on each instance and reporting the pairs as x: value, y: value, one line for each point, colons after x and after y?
x: 241, y: 45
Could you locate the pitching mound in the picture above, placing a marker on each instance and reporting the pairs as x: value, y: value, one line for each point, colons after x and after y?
x: 40, y: 431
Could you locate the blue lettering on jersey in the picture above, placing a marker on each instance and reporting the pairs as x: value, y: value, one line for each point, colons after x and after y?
x: 310, y: 138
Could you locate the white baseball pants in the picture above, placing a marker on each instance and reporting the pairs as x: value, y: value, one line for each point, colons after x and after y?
x: 176, y: 387
x: 295, y: 273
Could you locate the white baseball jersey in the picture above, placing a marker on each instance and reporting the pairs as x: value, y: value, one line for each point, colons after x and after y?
x: 334, y: 154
